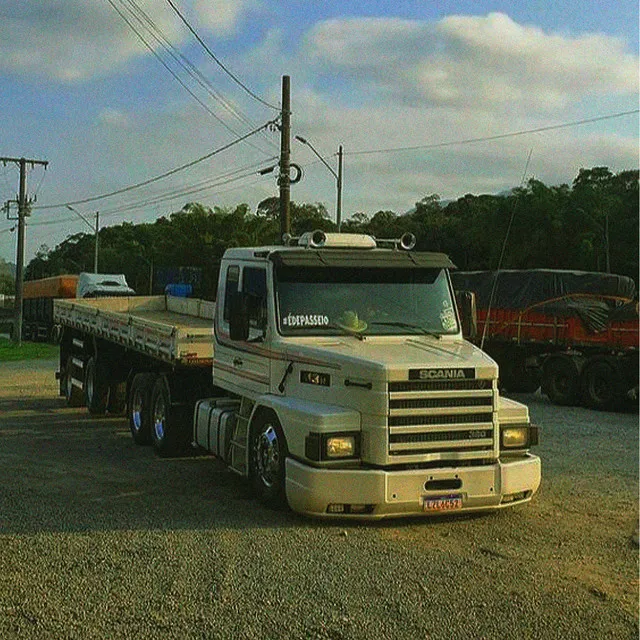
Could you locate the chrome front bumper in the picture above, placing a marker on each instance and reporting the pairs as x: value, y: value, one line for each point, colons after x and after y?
x: 311, y: 490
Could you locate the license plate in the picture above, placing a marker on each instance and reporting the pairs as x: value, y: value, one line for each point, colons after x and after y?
x: 439, y: 504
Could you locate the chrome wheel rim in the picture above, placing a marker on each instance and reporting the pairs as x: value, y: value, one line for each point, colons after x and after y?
x: 136, y: 411
x: 159, y: 418
x: 266, y: 453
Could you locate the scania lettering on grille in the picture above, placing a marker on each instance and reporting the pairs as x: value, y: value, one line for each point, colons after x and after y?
x: 441, y: 374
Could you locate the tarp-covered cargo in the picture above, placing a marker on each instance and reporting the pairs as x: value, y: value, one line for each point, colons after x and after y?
x: 595, y: 298
x: 520, y: 289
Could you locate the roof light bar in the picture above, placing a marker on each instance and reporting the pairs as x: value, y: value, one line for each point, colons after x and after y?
x: 319, y: 239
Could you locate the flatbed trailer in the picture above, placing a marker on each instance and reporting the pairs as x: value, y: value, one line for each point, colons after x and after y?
x: 105, y: 342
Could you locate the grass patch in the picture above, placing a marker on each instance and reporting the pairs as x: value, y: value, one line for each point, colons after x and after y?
x: 27, y: 351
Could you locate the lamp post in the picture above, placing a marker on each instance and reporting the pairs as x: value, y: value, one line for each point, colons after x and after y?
x: 337, y: 176
x: 96, y: 229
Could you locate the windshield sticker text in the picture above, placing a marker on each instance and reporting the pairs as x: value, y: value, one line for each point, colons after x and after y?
x: 292, y: 320
x: 447, y: 316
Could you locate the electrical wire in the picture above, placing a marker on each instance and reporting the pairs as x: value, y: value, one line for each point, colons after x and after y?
x: 169, y: 69
x: 161, y: 176
x: 200, y: 187
x: 503, y: 251
x: 501, y: 136
x: 180, y: 59
x: 216, y: 59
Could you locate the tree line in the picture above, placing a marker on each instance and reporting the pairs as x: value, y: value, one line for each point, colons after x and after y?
x: 590, y: 225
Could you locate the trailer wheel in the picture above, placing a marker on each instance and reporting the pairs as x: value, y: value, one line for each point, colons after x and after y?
x: 267, y: 455
x: 601, y: 385
x: 96, y: 388
x: 117, y: 398
x: 72, y: 394
x: 170, y: 425
x: 139, y: 407
x: 560, y: 381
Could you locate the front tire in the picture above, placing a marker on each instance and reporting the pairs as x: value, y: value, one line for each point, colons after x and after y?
x: 267, y: 455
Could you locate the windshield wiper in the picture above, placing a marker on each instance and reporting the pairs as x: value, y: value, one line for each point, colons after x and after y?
x: 407, y: 325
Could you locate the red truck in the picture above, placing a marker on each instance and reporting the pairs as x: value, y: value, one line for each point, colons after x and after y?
x: 572, y: 333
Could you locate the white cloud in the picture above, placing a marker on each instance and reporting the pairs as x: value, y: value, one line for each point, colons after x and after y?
x: 490, y: 61
x: 221, y: 17
x: 72, y: 41
x: 115, y: 118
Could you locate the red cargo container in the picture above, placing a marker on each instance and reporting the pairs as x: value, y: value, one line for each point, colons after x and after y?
x: 574, y: 333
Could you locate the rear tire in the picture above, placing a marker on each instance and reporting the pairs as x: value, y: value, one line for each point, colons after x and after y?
x: 601, y: 386
x: 96, y: 387
x: 560, y: 381
x: 170, y: 425
x: 72, y: 394
x: 139, y: 408
x: 117, y: 398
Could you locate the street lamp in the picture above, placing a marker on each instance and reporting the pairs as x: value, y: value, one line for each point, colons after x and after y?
x: 337, y: 176
x: 97, y: 227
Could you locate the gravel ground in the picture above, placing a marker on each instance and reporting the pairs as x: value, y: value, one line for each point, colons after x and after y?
x: 101, y: 539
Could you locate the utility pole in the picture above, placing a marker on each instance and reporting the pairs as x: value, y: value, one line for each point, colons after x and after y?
x: 284, y: 179
x: 337, y: 176
x: 95, y: 254
x: 95, y: 230
x: 23, y: 212
x: 339, y: 203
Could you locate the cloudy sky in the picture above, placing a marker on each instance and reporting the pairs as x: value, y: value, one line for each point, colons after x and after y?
x: 421, y: 95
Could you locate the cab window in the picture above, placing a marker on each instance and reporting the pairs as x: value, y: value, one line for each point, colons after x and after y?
x: 254, y: 285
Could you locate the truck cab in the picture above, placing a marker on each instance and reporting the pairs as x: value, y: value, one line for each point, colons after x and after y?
x: 346, y: 387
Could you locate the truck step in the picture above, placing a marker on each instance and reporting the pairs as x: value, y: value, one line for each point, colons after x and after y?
x: 239, y: 457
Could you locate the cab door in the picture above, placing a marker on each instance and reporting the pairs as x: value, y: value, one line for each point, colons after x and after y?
x: 243, y: 365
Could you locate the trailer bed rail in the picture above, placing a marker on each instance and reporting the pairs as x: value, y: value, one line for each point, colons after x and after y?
x: 174, y: 330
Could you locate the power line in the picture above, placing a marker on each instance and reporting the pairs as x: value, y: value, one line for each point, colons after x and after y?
x: 513, y: 134
x: 206, y: 185
x: 161, y: 176
x: 166, y: 66
x: 216, y: 59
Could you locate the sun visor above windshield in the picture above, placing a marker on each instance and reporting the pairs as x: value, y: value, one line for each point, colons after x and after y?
x: 366, y: 260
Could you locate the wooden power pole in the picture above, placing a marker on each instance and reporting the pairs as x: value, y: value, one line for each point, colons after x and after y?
x: 284, y: 179
x: 23, y: 212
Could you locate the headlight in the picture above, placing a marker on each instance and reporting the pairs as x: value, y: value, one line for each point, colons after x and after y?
x: 341, y: 446
x: 332, y: 446
x: 518, y: 436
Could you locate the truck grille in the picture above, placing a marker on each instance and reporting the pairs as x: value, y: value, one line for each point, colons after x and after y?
x: 441, y: 419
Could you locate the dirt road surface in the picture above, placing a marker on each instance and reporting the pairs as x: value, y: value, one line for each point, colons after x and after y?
x: 101, y: 539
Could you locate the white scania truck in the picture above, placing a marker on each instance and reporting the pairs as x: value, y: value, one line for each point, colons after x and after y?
x: 341, y: 382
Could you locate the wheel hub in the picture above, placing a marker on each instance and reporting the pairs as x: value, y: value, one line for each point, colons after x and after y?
x: 267, y: 455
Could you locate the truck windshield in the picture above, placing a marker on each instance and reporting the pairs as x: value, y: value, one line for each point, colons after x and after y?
x: 380, y: 301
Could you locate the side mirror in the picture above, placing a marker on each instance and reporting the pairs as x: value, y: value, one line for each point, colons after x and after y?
x: 239, y: 317
x: 466, y: 301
